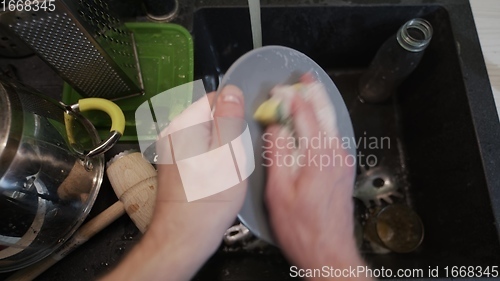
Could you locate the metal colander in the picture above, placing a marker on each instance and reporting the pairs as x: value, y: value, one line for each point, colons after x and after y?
x: 87, y: 46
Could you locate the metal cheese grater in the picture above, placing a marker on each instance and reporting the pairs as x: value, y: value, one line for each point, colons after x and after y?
x: 87, y: 46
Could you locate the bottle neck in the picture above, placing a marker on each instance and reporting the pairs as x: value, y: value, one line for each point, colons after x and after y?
x: 415, y: 35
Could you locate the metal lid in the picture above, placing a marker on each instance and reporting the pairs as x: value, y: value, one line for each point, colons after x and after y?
x: 10, y: 127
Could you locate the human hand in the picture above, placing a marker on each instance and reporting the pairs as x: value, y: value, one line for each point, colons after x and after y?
x: 182, y: 235
x: 311, y: 206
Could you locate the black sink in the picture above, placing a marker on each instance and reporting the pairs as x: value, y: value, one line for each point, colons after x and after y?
x: 443, y: 126
x: 442, y: 123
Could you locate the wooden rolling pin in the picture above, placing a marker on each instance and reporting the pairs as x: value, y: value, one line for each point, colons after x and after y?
x: 134, y: 181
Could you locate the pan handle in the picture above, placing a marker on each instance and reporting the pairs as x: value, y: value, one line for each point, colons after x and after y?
x: 117, y: 122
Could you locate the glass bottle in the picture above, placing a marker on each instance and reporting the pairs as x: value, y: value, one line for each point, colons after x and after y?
x: 394, y: 61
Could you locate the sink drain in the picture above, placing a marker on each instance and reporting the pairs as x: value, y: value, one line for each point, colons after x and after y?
x: 375, y: 184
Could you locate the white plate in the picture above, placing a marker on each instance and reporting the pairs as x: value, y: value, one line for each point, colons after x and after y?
x: 256, y: 73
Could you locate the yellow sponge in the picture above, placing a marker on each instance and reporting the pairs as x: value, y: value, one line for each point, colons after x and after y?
x: 268, y: 112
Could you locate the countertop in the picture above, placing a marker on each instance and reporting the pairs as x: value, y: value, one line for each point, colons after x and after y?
x: 487, y: 18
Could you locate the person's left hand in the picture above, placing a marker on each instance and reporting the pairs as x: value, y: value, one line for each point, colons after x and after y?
x: 183, y: 235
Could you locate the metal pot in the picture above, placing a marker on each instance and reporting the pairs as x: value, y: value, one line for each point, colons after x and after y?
x: 51, y: 168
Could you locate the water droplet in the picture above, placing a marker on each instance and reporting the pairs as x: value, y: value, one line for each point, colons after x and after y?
x: 120, y: 250
x: 127, y: 236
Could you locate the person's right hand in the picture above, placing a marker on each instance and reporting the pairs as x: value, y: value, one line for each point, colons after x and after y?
x: 311, y: 207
